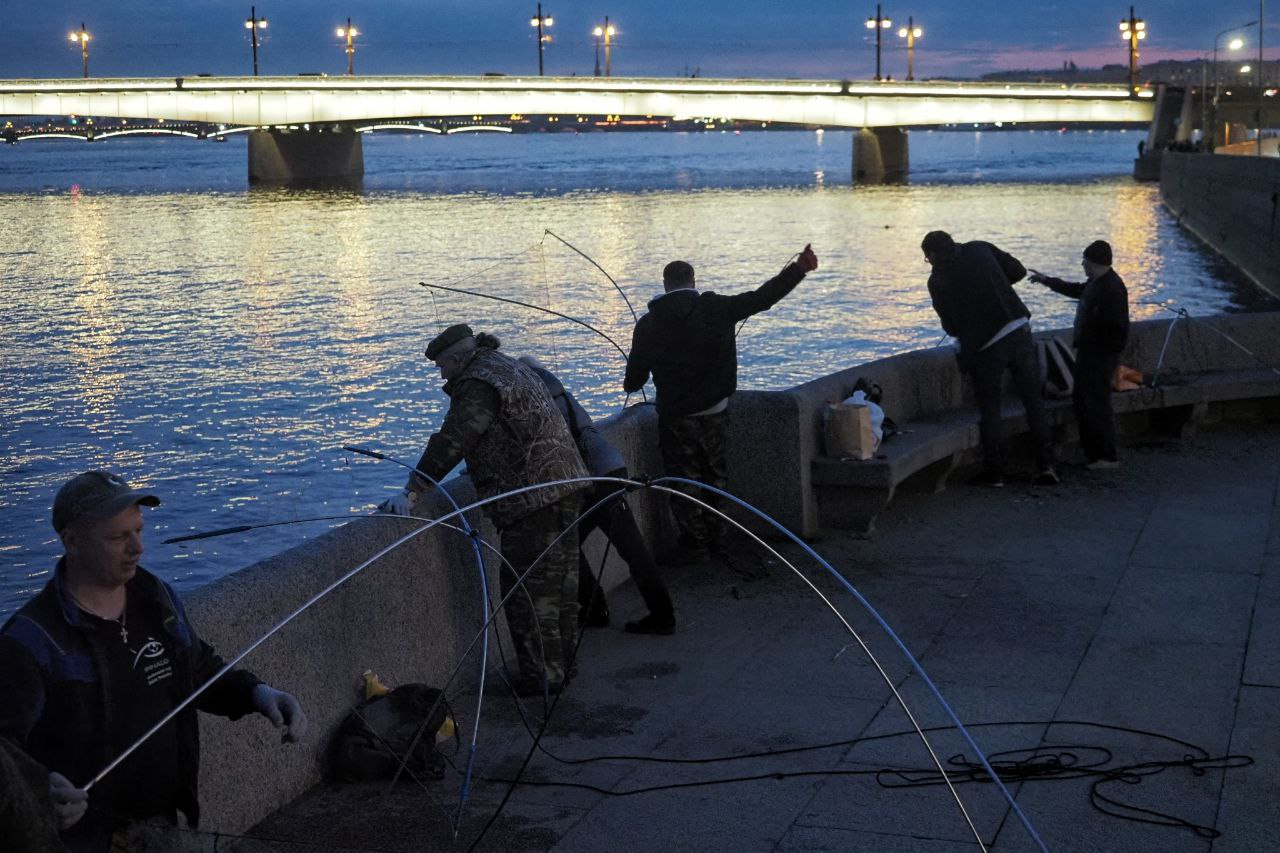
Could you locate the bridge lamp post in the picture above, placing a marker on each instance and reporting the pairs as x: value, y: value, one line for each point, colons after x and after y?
x: 253, y: 23
x: 911, y: 32
x: 542, y: 21
x: 349, y: 33
x: 607, y: 32
x: 82, y: 36
x: 879, y: 23
x: 1133, y: 30
x: 1235, y: 44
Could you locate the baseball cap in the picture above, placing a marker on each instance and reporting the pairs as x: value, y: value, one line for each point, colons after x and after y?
x: 96, y: 495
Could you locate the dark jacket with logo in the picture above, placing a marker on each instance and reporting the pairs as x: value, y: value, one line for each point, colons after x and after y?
x: 57, y: 699
x: 972, y: 292
x: 1102, y: 317
x: 687, y: 342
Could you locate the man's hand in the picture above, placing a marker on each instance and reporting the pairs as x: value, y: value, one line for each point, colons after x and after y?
x: 808, y: 260
x: 282, y: 710
x: 400, y: 504
x: 69, y: 802
x: 1037, y: 277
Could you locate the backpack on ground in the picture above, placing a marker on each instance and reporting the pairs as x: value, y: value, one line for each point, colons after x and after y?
x: 384, y: 731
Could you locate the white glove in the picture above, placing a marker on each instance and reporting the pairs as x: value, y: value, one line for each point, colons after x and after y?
x: 69, y: 802
x: 400, y: 504
x: 282, y: 710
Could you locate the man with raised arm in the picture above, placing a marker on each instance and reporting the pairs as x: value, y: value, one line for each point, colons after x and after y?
x: 688, y: 343
x: 101, y: 655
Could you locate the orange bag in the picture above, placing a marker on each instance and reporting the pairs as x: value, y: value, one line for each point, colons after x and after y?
x: 1126, y: 379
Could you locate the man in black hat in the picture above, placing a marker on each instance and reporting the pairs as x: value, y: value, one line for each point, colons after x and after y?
x: 972, y: 291
x: 101, y: 655
x: 1099, y: 334
x: 502, y: 421
x: 687, y: 341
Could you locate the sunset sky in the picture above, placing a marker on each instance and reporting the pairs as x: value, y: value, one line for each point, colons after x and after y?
x: 716, y: 38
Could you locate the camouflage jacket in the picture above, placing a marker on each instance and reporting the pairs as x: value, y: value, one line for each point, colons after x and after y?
x: 502, y: 421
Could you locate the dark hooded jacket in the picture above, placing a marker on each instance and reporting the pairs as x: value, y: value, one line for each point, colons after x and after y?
x: 1102, y: 317
x: 972, y: 292
x: 687, y: 342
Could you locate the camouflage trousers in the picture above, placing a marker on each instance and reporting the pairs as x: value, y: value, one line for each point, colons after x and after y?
x: 693, y: 448
x: 543, y: 616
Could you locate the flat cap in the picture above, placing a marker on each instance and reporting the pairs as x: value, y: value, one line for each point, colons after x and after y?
x: 446, y: 339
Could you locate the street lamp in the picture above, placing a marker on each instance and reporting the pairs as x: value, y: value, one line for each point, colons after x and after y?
x: 349, y: 33
x: 1133, y: 30
x: 82, y: 35
x: 1235, y: 44
x: 253, y: 23
x: 879, y: 23
x: 541, y: 21
x: 608, y: 32
x: 911, y: 32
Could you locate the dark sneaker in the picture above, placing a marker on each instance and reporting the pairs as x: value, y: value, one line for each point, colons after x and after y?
x: 1101, y: 464
x: 652, y: 624
x: 1047, y: 477
x: 990, y: 479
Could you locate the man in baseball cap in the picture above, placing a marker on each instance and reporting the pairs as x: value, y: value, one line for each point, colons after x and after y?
x: 97, y: 658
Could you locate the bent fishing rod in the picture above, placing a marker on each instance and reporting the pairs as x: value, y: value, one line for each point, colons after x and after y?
x: 592, y: 261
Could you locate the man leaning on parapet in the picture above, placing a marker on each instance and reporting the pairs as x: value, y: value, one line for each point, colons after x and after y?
x: 972, y: 291
x: 687, y: 342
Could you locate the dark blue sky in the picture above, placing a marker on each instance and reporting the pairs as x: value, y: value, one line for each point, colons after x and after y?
x: 720, y: 38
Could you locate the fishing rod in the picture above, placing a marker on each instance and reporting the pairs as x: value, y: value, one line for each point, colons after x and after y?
x: 583, y: 323
x: 592, y: 261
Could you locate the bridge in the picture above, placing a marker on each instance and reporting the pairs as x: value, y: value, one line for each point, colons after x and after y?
x: 305, y: 127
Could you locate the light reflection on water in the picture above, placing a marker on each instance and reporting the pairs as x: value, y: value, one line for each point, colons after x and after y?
x: 221, y: 345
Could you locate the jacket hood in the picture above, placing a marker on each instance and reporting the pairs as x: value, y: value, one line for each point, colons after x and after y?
x: 677, y: 303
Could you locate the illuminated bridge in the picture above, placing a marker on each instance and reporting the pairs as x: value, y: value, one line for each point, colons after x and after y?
x: 305, y: 127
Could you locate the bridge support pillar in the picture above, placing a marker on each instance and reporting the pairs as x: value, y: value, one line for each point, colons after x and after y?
x: 305, y: 156
x: 1172, y: 103
x: 880, y: 155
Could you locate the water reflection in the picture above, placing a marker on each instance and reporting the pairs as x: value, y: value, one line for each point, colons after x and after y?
x: 223, y: 346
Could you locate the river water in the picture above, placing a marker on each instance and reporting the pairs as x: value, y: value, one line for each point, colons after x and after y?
x: 221, y: 344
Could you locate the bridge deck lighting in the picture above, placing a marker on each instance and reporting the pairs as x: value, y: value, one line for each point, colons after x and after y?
x: 82, y: 37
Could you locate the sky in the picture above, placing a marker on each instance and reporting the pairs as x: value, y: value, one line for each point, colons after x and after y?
x: 819, y: 39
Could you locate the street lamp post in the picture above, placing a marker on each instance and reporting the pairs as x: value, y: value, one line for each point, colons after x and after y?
x: 608, y: 32
x: 911, y: 32
x: 1235, y: 44
x: 82, y: 36
x: 1133, y: 30
x: 879, y: 23
x: 541, y: 21
x: 349, y: 33
x: 253, y: 23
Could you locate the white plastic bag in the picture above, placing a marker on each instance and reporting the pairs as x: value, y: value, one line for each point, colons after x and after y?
x: 859, y: 398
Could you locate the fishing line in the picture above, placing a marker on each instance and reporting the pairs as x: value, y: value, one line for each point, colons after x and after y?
x: 479, y: 295
x: 592, y: 261
x: 789, y: 262
x: 501, y: 262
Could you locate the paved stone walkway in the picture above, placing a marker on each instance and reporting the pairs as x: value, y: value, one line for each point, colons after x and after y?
x: 1123, y: 619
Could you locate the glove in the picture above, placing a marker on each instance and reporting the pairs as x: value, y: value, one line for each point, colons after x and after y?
x: 282, y: 710
x: 808, y: 260
x: 400, y: 504
x: 69, y: 802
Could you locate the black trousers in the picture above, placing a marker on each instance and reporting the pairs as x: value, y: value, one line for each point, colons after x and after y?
x: 1091, y: 399
x: 619, y: 526
x: 1016, y: 353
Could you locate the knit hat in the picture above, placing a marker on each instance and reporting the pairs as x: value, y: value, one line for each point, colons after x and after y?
x: 446, y: 339
x: 1099, y: 251
x: 96, y: 495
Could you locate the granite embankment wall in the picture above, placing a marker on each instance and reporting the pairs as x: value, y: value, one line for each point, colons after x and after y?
x: 413, y: 613
x: 1233, y: 204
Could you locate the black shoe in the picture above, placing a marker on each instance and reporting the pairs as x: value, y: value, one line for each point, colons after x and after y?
x: 594, y: 617
x: 989, y: 479
x: 652, y: 624
x: 1047, y: 477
